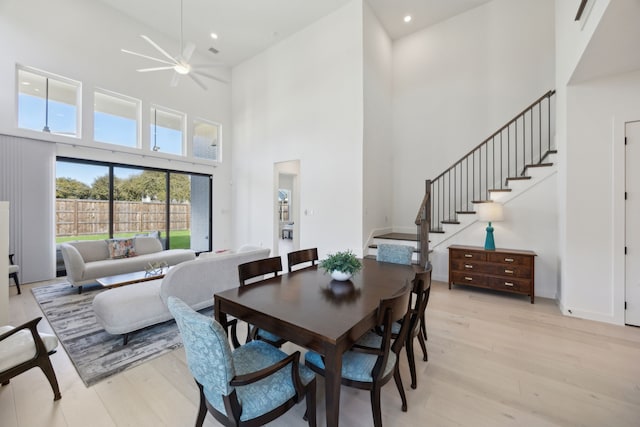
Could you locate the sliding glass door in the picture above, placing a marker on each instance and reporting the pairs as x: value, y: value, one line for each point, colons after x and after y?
x: 100, y: 200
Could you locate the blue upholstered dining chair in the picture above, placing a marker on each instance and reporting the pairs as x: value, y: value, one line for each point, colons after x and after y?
x: 249, y: 386
x: 371, y: 364
x: 397, y: 254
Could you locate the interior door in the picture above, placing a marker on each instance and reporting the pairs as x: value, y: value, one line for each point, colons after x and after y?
x: 632, y: 223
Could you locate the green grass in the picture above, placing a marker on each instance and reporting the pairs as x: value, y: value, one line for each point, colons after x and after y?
x: 180, y: 239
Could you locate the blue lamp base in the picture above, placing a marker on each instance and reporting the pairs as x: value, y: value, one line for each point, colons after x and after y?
x: 489, y: 243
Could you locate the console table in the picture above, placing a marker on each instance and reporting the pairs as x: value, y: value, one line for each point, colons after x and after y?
x: 502, y: 269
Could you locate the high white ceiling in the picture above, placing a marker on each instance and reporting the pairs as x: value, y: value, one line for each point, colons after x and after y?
x: 247, y: 27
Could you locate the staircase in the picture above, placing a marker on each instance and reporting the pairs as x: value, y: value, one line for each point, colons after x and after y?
x: 513, y: 159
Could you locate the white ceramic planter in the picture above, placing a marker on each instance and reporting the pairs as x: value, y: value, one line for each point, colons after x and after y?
x: 340, y: 275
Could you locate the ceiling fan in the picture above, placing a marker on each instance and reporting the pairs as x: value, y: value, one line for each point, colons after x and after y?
x: 179, y: 63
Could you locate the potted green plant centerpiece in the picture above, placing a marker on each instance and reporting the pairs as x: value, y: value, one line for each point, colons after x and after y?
x: 341, y: 265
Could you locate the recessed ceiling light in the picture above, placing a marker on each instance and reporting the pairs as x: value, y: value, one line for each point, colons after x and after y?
x: 214, y: 36
x: 26, y: 83
x: 407, y: 18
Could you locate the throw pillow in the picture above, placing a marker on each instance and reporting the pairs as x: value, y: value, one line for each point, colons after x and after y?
x: 121, y: 248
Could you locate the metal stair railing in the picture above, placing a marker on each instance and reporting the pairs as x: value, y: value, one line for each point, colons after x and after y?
x: 522, y: 142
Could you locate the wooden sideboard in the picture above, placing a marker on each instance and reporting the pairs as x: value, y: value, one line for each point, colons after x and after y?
x: 502, y: 269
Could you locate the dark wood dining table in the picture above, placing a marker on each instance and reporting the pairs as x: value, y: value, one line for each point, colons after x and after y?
x: 309, y: 309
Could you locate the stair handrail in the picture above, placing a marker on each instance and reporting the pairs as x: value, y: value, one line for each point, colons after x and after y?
x: 549, y: 94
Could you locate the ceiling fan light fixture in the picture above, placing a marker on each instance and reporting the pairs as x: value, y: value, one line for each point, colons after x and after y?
x: 183, y: 69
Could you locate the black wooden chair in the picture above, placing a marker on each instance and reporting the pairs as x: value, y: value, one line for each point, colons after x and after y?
x: 23, y: 348
x: 373, y: 364
x: 302, y: 256
x: 261, y: 269
x: 418, y: 305
x: 13, y: 272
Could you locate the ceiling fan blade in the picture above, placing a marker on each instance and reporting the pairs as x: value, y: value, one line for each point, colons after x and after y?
x: 158, y: 48
x: 188, y: 50
x: 148, y: 57
x: 175, y: 79
x: 198, y: 81
x: 210, y: 76
x: 144, y: 70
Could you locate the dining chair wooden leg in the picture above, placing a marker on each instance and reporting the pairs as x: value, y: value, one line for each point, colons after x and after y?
x: 398, y: 380
x: 202, y: 409
x: 423, y: 328
x: 425, y: 355
x: 412, y: 362
x: 310, y: 413
x: 375, y: 406
x: 14, y: 276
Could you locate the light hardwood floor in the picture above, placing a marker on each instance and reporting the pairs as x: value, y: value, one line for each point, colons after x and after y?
x: 494, y: 360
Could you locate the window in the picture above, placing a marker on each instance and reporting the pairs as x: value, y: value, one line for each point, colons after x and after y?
x: 115, y: 119
x: 206, y: 140
x: 47, y: 103
x: 97, y: 201
x: 167, y: 131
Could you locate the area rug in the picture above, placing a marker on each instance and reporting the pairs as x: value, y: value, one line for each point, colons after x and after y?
x: 95, y: 353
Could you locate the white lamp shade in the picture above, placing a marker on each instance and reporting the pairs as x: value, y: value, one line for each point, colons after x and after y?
x: 490, y: 211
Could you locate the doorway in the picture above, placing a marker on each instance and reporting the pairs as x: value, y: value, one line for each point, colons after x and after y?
x: 286, y: 225
x: 632, y: 223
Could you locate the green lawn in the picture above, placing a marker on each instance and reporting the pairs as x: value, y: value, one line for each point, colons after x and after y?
x: 180, y: 239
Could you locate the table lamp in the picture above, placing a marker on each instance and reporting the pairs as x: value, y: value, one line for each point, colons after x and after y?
x: 490, y: 211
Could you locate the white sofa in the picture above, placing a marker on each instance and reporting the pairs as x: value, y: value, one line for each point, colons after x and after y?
x: 123, y: 310
x: 85, y: 261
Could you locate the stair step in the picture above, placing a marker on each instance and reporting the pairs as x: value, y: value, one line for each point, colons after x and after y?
x: 517, y: 178
x: 374, y: 246
x: 547, y: 154
x: 500, y: 190
x: 465, y: 212
x: 449, y: 221
x: 398, y: 236
x: 482, y: 201
x: 436, y: 230
x: 537, y: 165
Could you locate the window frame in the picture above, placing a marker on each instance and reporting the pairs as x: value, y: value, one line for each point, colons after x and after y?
x: 183, y: 129
x: 196, y: 120
x: 51, y: 76
x: 138, y: 118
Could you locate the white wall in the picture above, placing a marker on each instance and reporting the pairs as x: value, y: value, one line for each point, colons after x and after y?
x: 302, y: 99
x: 4, y: 270
x: 591, y: 116
x: 378, y: 138
x: 457, y: 82
x: 81, y: 40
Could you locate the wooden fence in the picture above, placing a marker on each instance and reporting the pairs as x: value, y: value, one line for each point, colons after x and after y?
x: 75, y: 217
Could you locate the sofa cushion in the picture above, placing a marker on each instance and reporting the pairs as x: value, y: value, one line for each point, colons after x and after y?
x: 147, y: 245
x: 121, y: 248
x: 91, y: 250
x: 129, y: 308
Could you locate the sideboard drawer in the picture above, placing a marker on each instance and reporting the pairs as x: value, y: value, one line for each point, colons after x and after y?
x: 523, y: 271
x: 470, y: 255
x: 508, y: 259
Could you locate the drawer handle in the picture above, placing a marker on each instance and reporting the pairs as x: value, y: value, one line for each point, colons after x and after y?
x: 508, y: 284
x: 508, y: 260
x: 468, y: 266
x: 468, y: 256
x: 468, y: 278
x: 508, y: 271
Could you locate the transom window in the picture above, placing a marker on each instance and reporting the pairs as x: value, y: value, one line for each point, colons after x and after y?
x: 206, y: 140
x: 115, y: 119
x: 48, y: 103
x: 167, y: 131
